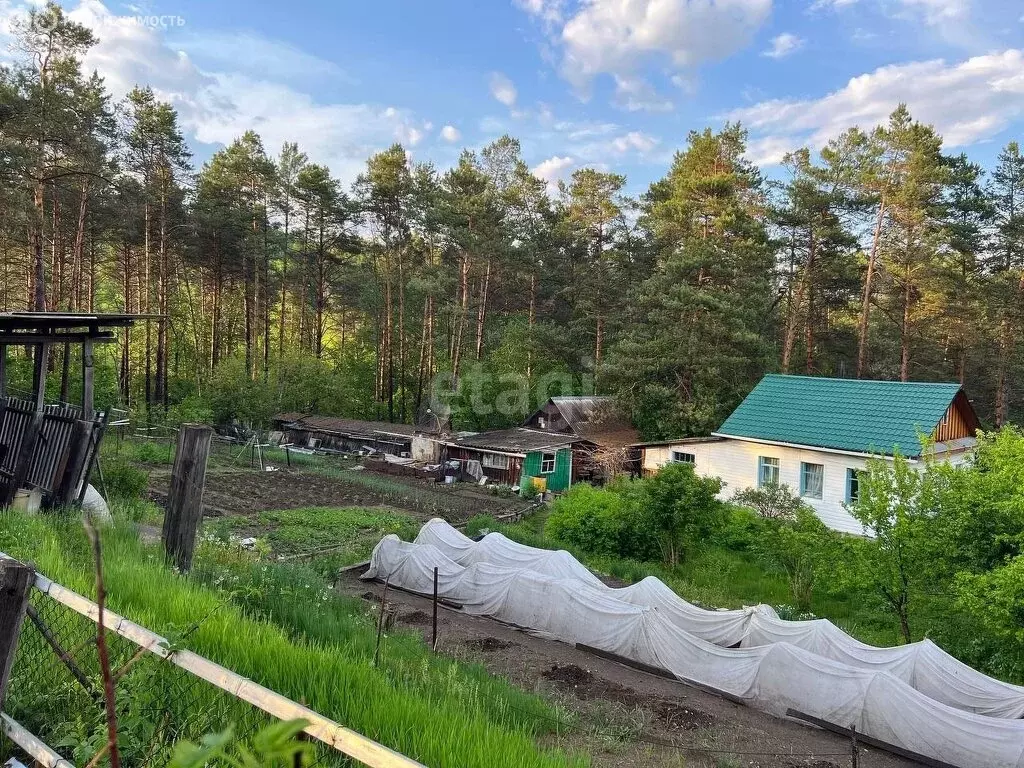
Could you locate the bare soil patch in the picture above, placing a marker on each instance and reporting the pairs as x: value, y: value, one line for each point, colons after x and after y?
x: 248, y: 492
x: 622, y: 717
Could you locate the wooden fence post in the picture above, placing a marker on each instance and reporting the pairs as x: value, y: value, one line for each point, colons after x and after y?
x: 15, y: 582
x: 185, y: 498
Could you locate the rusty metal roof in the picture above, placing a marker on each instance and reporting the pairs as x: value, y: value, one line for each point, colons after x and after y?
x: 519, y: 440
x: 354, y: 426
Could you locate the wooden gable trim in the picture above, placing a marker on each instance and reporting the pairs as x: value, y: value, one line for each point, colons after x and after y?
x: 958, y: 421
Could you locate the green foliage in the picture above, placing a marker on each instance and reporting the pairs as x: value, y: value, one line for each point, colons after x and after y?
x: 800, y: 547
x: 683, y: 510
x: 281, y: 626
x: 122, y: 480
x: 770, y: 501
x: 276, y: 746
x: 894, y: 503
x: 601, y: 521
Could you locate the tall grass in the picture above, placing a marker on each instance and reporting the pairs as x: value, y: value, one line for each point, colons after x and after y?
x: 439, y: 712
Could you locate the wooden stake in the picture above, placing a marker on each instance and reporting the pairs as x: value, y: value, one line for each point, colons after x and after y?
x: 853, y: 747
x: 185, y: 498
x: 433, y: 644
x: 380, y: 621
x: 15, y: 581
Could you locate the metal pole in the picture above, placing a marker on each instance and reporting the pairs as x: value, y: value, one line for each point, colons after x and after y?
x: 853, y: 747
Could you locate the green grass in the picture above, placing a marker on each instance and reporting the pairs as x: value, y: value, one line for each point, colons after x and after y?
x: 280, y: 627
x: 353, y: 530
x: 716, y: 577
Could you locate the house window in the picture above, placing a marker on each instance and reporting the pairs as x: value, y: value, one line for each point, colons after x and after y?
x: 494, y: 460
x: 547, y: 463
x: 945, y: 418
x: 767, y: 471
x: 812, y: 480
x: 852, y: 485
x: 680, y: 457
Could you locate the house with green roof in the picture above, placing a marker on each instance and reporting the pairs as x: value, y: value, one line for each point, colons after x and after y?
x: 815, y: 435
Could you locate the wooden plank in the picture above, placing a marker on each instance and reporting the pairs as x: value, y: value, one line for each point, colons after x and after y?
x: 25, y: 455
x: 16, y: 339
x: 39, y: 360
x: 88, y: 411
x: 67, y: 489
x: 877, y: 743
x: 185, y: 497
x: 16, y: 580
x: 3, y: 374
x: 321, y: 728
x: 32, y: 745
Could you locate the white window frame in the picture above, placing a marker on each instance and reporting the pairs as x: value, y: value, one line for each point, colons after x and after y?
x: 764, y: 462
x: 544, y: 461
x: 804, y: 491
x: 495, y: 461
x: 691, y: 458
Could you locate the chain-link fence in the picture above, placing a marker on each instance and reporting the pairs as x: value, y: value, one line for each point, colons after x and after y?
x: 56, y: 693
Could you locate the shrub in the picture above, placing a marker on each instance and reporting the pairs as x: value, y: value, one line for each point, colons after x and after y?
x: 772, y: 501
x: 742, y: 530
x: 799, y: 548
x: 123, y: 481
x: 480, y: 524
x: 601, y: 521
x: 683, y: 510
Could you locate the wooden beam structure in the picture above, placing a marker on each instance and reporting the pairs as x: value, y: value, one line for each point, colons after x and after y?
x: 16, y: 580
x: 49, y: 446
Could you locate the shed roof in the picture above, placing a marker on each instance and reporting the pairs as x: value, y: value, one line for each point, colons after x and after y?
x: 517, y: 440
x: 354, y: 426
x: 855, y: 415
x: 596, y: 418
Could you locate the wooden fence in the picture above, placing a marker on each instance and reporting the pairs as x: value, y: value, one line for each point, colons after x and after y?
x: 61, y: 619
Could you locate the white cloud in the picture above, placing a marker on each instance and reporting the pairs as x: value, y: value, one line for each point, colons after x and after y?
x: 450, y: 134
x: 548, y: 11
x: 256, y: 55
x: 967, y: 102
x: 834, y: 4
x: 634, y: 140
x: 635, y: 94
x: 503, y: 89
x: 783, y: 45
x: 617, y: 36
x: 219, y: 104
x: 553, y: 170
x: 939, y: 11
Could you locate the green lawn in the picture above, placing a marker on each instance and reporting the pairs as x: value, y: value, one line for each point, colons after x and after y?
x: 276, y: 624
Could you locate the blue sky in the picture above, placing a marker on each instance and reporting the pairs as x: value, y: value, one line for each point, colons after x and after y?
x: 615, y: 84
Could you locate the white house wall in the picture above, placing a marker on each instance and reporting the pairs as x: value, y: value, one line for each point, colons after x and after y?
x: 736, y: 463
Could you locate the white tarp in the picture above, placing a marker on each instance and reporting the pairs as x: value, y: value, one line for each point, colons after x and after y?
x: 922, y: 665
x: 773, y: 677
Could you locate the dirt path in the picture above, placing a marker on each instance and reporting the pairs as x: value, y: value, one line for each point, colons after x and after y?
x: 626, y: 717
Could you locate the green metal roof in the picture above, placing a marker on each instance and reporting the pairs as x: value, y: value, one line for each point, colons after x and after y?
x: 843, y: 414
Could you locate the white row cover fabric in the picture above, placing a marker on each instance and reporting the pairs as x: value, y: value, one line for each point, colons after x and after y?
x: 922, y: 665
x: 773, y: 677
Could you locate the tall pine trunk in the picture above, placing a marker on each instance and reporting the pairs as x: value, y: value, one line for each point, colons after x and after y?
x: 865, y: 308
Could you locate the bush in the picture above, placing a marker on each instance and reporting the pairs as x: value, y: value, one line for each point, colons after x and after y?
x: 742, y: 530
x: 601, y: 521
x: 480, y: 524
x: 123, y: 481
x: 772, y: 501
x: 683, y: 509
x: 799, y: 548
